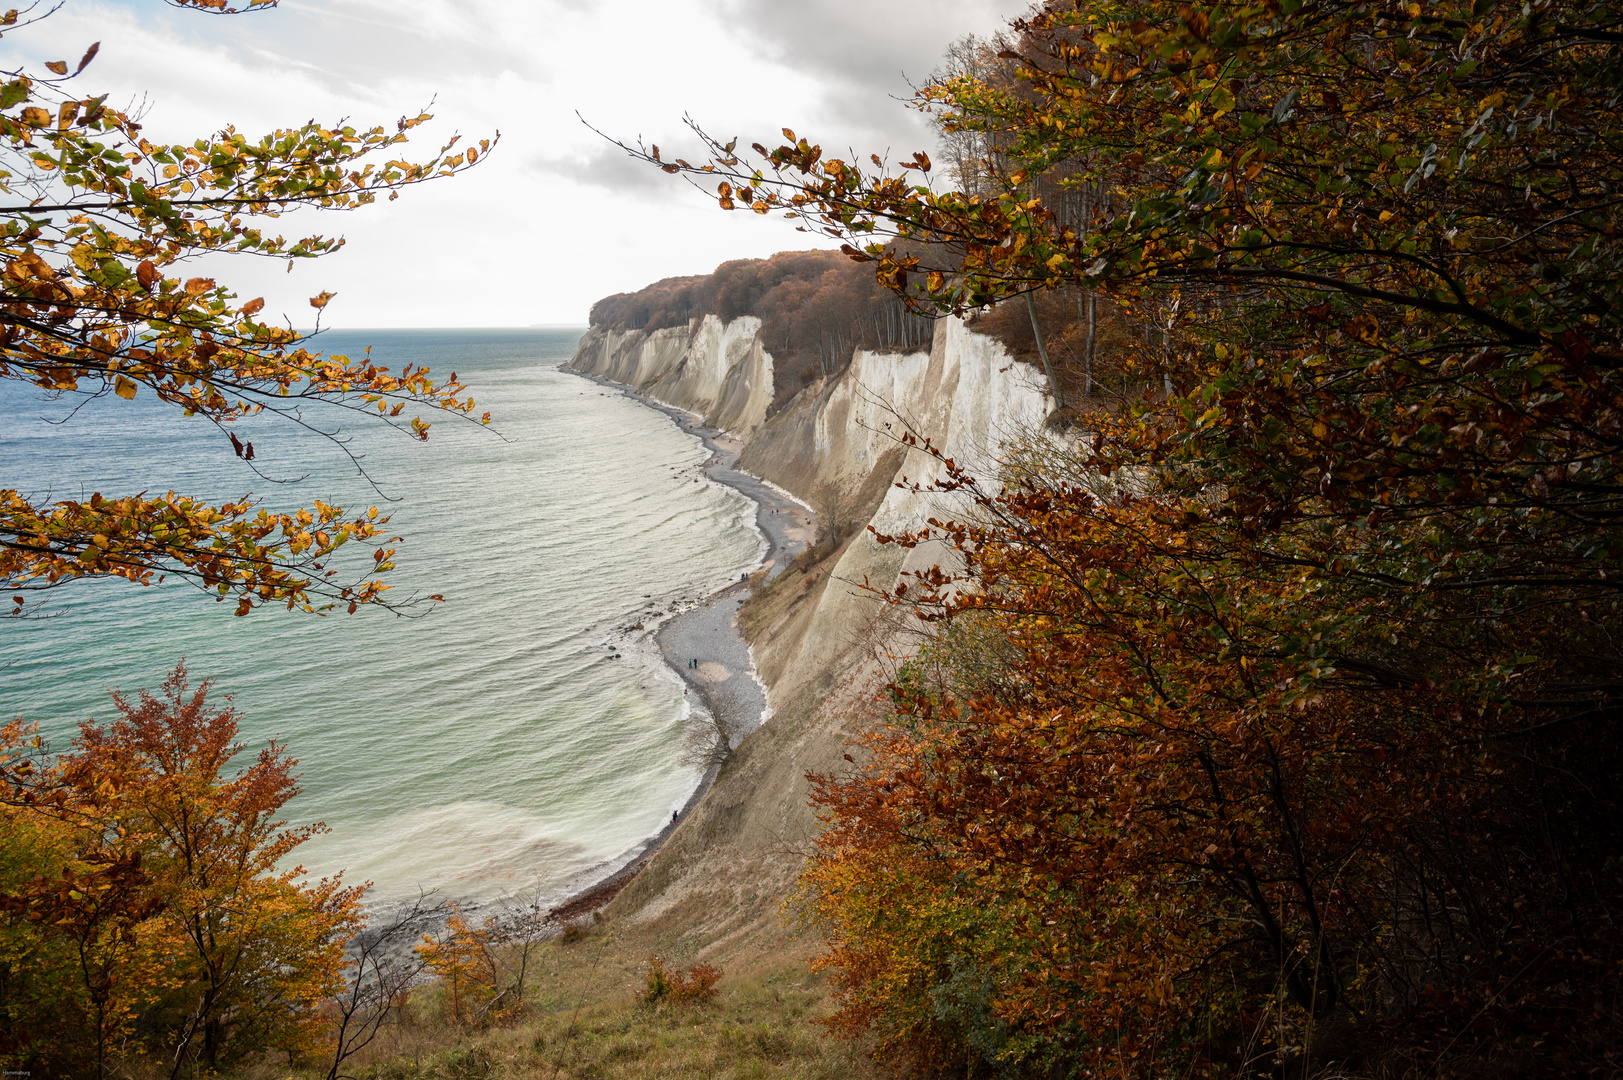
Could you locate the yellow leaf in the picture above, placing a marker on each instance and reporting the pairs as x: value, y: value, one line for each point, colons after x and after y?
x: 124, y: 387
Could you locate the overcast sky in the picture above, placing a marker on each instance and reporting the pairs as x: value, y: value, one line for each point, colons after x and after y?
x: 554, y: 219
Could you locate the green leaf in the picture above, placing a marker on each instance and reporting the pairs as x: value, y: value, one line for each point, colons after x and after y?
x: 1285, y: 108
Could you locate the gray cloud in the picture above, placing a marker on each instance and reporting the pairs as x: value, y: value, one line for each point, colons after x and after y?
x: 827, y: 68
x: 612, y: 169
x: 864, y: 55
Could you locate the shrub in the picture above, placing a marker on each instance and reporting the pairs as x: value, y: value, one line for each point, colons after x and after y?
x: 465, y: 966
x: 697, y: 983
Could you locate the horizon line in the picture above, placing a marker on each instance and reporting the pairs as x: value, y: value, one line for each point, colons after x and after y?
x: 523, y: 326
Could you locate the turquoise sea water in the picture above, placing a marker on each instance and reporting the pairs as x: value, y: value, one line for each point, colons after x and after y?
x: 491, y: 747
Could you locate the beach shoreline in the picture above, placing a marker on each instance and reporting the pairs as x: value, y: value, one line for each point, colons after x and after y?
x: 702, y: 644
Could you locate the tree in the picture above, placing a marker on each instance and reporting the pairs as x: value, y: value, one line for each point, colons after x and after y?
x: 253, y: 947
x: 709, y: 744
x: 1308, y: 719
x: 382, y: 971
x: 462, y: 960
x: 144, y: 901
x: 96, y: 224
x: 1134, y: 806
x: 71, y: 961
x: 77, y: 961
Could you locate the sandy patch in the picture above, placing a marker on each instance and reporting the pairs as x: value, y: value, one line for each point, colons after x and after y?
x: 714, y: 672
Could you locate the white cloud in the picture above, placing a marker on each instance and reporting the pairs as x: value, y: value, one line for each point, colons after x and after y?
x: 555, y: 219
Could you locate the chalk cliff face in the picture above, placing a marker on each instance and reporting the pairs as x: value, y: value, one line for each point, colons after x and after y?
x: 966, y: 396
x: 718, y: 370
x: 836, y: 445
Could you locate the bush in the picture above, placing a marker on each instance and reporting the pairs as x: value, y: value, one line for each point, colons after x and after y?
x: 697, y: 983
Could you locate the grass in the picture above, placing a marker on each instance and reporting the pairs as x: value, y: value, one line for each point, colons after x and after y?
x: 586, y: 1020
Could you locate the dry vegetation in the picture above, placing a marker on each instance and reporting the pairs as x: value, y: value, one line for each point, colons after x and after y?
x: 587, y: 1017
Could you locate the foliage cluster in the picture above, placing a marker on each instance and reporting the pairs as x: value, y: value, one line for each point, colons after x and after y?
x: 97, y: 224
x: 144, y: 907
x: 1273, y: 720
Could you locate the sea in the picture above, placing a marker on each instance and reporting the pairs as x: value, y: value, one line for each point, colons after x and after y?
x: 508, y: 743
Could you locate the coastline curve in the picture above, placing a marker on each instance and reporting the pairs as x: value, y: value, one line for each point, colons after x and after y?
x: 702, y: 644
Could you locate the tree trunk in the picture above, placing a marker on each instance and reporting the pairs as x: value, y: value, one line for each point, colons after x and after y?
x: 1087, y: 347
x: 1042, y: 351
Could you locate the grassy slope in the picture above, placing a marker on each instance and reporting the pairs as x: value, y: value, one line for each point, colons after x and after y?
x: 585, y: 1021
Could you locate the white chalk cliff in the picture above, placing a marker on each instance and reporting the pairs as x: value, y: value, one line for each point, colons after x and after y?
x: 718, y: 370
x: 835, y: 444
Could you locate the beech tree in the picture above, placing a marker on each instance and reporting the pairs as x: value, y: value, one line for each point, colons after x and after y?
x: 255, y: 947
x: 461, y: 958
x: 144, y: 903
x: 96, y: 226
